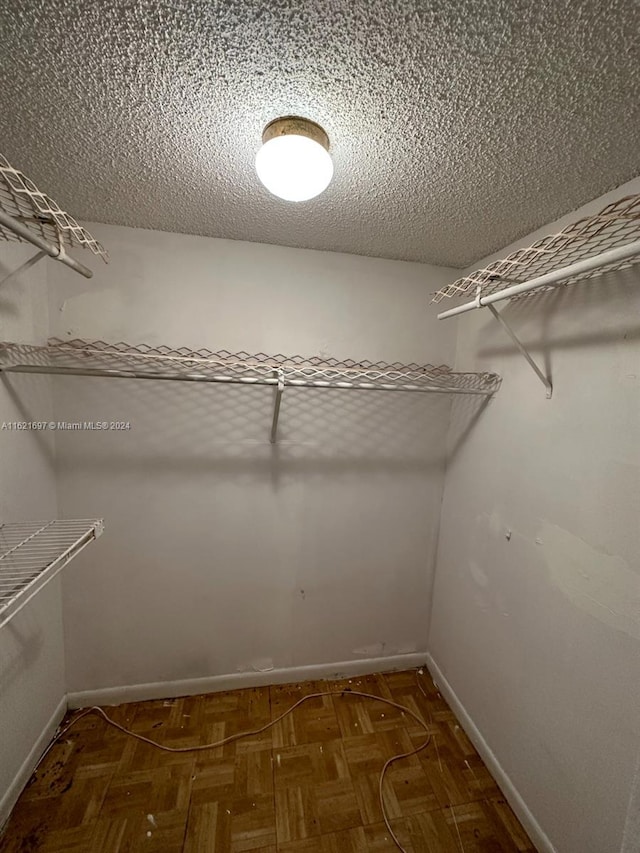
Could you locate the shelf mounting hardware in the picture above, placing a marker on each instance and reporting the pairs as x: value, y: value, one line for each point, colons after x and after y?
x: 545, y: 381
x: 24, y: 267
x: 276, y: 404
x: 27, y: 235
x: 29, y: 216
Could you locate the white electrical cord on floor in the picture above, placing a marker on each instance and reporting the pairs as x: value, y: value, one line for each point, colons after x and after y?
x: 201, y: 747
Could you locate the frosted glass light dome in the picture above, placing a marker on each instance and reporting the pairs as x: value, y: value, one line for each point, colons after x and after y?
x: 294, y: 162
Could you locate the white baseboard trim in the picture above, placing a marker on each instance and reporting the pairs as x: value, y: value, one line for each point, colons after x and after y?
x: 236, y: 680
x: 10, y: 797
x: 524, y: 815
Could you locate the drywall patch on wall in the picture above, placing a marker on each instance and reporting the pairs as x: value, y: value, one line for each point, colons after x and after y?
x: 486, y: 594
x: 601, y: 584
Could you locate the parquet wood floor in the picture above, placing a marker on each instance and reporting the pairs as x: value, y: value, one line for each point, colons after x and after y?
x: 310, y: 783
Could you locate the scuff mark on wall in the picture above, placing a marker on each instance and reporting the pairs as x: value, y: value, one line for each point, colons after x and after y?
x: 107, y: 301
x: 376, y: 650
x: 380, y: 650
x: 481, y: 581
x: 602, y: 585
x: 262, y: 665
x: 494, y: 520
x: 258, y: 665
x: 478, y: 574
x: 407, y: 649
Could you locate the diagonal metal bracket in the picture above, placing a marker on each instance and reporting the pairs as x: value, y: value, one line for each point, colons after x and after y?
x: 544, y: 379
x: 276, y: 405
x: 24, y: 267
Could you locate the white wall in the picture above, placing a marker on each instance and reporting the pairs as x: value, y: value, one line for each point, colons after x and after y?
x: 32, y: 681
x: 538, y: 635
x: 222, y: 553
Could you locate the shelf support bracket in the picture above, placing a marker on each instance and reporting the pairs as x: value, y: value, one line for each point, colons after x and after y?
x: 276, y: 405
x: 24, y: 267
x: 29, y: 236
x: 545, y: 380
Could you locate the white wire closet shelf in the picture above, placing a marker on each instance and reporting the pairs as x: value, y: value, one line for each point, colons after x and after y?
x: 32, y: 553
x: 609, y: 240
x: 28, y: 215
x: 97, y: 358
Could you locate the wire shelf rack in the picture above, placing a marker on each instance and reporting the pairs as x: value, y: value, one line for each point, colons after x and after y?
x: 617, y: 225
x: 33, y: 552
x: 21, y: 199
x: 29, y: 215
x: 97, y: 358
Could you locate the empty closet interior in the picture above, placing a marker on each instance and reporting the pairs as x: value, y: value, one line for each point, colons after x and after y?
x: 319, y: 417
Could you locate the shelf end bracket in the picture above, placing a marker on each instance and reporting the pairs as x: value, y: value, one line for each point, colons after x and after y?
x: 276, y: 405
x: 24, y: 267
x: 523, y: 350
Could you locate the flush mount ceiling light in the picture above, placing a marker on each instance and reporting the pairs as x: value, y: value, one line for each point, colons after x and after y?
x: 294, y: 162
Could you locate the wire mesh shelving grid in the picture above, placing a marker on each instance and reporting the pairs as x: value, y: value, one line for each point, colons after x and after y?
x: 616, y: 225
x: 97, y: 358
x: 24, y: 202
x: 33, y: 552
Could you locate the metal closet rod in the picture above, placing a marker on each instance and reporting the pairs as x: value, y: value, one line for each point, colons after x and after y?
x: 194, y: 377
x: 619, y: 253
x: 56, y: 252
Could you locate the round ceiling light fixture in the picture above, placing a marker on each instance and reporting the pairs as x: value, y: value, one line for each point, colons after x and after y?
x: 294, y: 162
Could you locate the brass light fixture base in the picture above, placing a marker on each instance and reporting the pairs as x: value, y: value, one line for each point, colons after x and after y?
x: 295, y: 125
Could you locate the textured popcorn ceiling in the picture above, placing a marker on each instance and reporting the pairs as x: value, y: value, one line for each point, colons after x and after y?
x: 456, y: 125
